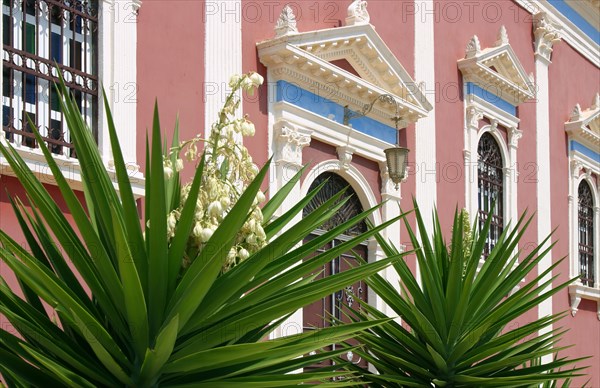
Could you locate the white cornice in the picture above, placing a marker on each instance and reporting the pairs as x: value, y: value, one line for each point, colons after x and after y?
x: 570, y: 32
x: 69, y: 167
x: 331, y: 132
x: 584, y: 125
x: 305, y: 57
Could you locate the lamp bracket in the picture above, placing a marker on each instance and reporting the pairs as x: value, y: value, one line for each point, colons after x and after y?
x: 388, y: 98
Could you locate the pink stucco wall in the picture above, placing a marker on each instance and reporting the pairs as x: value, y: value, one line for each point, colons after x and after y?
x: 170, y: 60
x: 580, y: 86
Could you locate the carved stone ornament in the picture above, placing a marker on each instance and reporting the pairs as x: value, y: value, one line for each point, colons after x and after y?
x: 514, y: 135
x: 473, y: 117
x: 494, y: 126
x: 546, y: 34
x: 596, y: 102
x: 289, y: 142
x: 473, y: 47
x: 345, y: 156
x: 357, y: 13
x: 502, y: 37
x: 576, y: 167
x: 576, y: 113
x: 575, y: 300
x: 286, y: 23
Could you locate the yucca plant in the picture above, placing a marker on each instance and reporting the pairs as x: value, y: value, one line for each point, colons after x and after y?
x: 452, y: 327
x: 108, y: 301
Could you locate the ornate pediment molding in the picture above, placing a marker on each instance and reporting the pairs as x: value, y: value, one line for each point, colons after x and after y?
x: 306, y: 60
x: 584, y: 125
x: 497, y: 69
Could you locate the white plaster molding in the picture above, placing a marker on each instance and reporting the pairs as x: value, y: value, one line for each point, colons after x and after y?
x: 502, y: 37
x: 491, y: 111
x: 345, y: 156
x: 570, y: 33
x: 578, y: 292
x: 357, y: 13
x: 473, y: 116
x: 222, y: 57
x: 497, y: 69
x: 305, y: 59
x: 286, y: 23
x: 425, y: 153
x: 546, y: 34
x: 514, y: 135
x: 289, y: 142
x: 473, y: 47
x: 69, y: 167
x: 331, y: 132
x: 584, y: 125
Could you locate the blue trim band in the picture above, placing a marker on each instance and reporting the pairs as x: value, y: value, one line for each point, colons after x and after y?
x: 564, y: 8
x: 491, y: 98
x: 594, y: 155
x: 326, y: 108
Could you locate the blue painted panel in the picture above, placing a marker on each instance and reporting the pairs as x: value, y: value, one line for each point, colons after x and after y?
x: 325, y: 107
x: 492, y: 98
x: 564, y: 8
x: 594, y: 155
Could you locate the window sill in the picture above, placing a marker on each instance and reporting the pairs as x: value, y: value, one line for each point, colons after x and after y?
x: 70, y: 169
x: 578, y: 291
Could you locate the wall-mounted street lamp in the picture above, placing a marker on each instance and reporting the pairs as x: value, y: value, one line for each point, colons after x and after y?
x: 396, y: 157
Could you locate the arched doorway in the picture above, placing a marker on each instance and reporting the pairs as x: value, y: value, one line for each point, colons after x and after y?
x: 316, y: 315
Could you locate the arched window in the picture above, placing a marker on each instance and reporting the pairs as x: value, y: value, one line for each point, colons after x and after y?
x: 490, y: 189
x: 351, y: 208
x: 586, y: 234
x: 318, y: 314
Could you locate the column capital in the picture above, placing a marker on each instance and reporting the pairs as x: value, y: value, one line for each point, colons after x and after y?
x: 473, y: 115
x: 546, y: 34
x: 289, y: 140
x: 514, y: 134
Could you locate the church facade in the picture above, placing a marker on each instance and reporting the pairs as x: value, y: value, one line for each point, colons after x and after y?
x: 497, y: 102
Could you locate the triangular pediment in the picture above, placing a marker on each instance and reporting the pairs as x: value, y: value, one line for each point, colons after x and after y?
x: 498, y: 70
x: 584, y: 125
x: 351, y: 62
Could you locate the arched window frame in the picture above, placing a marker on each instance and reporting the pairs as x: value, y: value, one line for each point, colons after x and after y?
x: 477, y: 109
x: 583, y: 171
x: 583, y: 133
x: 503, y: 200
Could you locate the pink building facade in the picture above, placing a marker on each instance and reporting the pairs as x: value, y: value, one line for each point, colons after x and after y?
x: 497, y: 97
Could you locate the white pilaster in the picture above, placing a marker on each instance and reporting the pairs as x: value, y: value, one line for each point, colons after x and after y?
x: 545, y: 36
x: 222, y: 54
x: 425, y: 146
x: 288, y: 142
x: 118, y: 75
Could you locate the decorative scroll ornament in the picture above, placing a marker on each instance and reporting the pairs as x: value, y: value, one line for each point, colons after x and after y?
x: 357, y: 13
x: 502, y: 37
x: 473, y: 47
x: 289, y: 142
x: 546, y: 34
x: 286, y: 24
x: 576, y: 167
x: 473, y: 117
x: 514, y: 135
x: 345, y: 156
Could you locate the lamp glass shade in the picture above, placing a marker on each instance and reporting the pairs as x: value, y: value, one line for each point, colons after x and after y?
x: 397, y: 160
